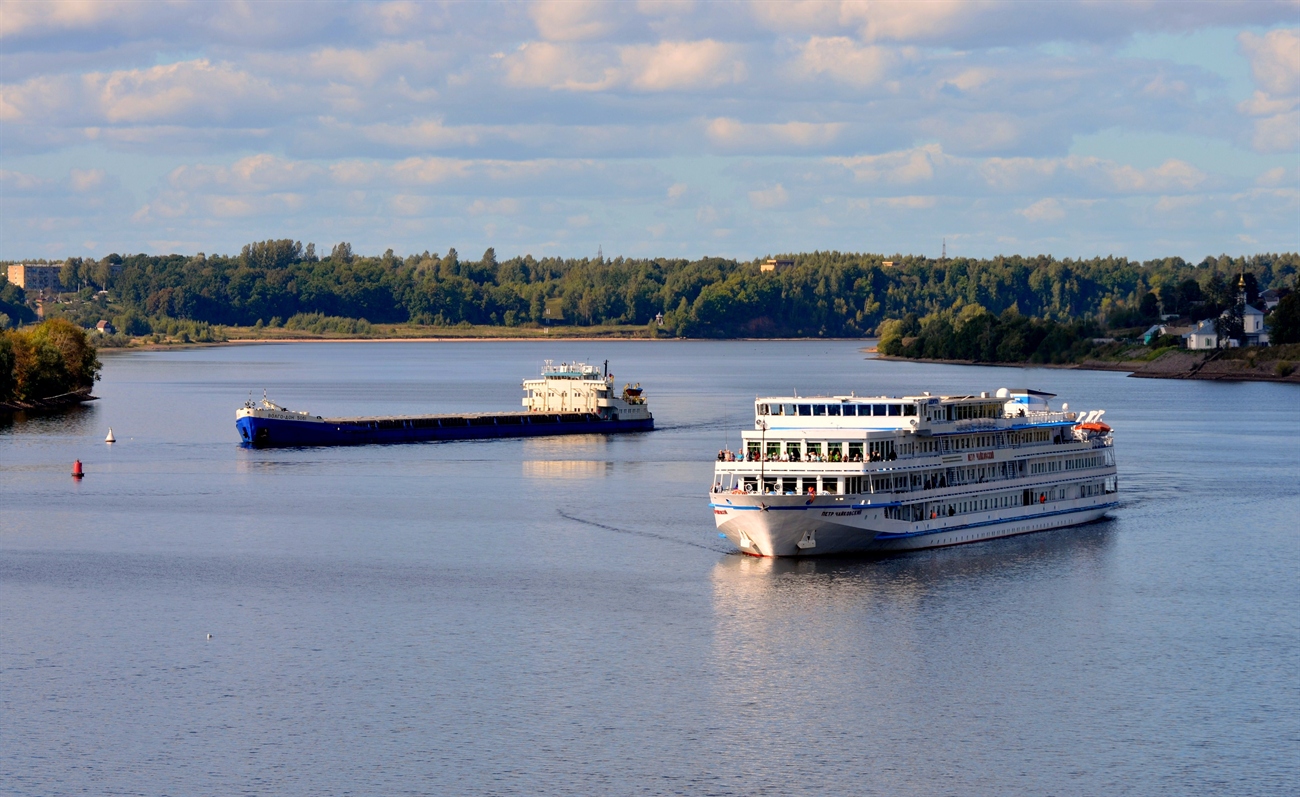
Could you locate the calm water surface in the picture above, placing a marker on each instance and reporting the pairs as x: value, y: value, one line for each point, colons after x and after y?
x: 559, y: 616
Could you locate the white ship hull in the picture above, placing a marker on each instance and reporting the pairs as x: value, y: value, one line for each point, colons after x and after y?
x: 774, y: 525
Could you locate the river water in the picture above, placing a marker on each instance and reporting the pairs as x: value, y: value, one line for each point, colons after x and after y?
x: 558, y: 616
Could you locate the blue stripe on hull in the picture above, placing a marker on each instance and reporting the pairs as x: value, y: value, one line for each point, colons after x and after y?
x: 274, y: 433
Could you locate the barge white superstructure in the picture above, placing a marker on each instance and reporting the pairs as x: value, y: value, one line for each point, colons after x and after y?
x: 838, y: 474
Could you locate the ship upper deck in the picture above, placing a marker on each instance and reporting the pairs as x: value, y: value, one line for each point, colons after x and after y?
x: 925, y: 414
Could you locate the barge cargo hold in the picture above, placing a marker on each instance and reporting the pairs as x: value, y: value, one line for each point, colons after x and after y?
x: 570, y: 398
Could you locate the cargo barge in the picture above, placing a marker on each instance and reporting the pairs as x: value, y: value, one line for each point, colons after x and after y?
x: 569, y: 398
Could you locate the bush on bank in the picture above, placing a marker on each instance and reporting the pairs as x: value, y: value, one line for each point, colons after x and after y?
x: 979, y: 336
x: 51, y: 359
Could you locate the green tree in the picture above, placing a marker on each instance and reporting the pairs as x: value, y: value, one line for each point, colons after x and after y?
x: 1284, y: 322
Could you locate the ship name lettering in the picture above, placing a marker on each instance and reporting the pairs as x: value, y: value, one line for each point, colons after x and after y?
x: 979, y: 455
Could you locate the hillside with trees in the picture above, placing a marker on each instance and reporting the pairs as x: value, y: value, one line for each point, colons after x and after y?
x: 830, y: 294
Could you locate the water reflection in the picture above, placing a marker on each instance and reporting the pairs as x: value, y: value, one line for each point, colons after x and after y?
x: 749, y: 579
x: 566, y: 469
x: 253, y: 461
x: 539, y: 448
x: 76, y: 420
x: 897, y: 634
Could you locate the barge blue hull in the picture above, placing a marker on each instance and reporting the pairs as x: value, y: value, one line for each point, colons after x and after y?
x: 274, y: 433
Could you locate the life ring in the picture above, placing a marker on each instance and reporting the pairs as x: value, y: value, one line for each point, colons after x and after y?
x: 749, y: 488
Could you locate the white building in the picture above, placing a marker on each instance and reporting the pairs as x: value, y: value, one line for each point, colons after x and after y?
x: 1203, y: 336
x: 1252, y: 323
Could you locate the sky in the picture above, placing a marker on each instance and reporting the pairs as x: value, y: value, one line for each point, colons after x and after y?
x: 654, y: 128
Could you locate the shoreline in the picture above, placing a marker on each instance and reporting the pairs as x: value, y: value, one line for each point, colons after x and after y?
x: 1181, y: 365
x: 52, y: 404
x: 1170, y: 365
x: 109, y: 350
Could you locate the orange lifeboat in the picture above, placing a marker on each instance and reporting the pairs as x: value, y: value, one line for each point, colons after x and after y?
x: 1099, y: 428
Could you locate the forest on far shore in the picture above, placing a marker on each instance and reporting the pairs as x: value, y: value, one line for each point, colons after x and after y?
x: 830, y: 294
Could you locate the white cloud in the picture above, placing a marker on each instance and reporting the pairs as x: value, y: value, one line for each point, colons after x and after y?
x: 666, y: 66
x: 1274, y: 60
x: 189, y: 91
x: 843, y: 60
x: 557, y: 66
x: 732, y: 134
x: 1168, y: 176
x: 990, y: 23
x: 21, y: 18
x: 20, y: 182
x: 669, y: 66
x: 253, y: 174
x: 767, y: 198
x: 418, y: 134
x: 1044, y: 210
x: 507, y: 206
x: 911, y: 202
x: 573, y: 20
x: 898, y: 168
x: 87, y: 179
x: 365, y: 67
x: 1275, y: 64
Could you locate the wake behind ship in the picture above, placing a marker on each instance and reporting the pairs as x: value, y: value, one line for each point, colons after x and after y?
x: 569, y: 398
x: 838, y: 474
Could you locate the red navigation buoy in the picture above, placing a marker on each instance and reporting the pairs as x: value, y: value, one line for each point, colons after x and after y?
x: 76, y: 469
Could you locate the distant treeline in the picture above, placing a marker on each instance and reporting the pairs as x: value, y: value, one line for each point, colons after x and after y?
x: 49, y: 360
x: 822, y: 294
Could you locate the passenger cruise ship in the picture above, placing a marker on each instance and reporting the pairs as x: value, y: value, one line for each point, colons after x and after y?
x: 838, y: 474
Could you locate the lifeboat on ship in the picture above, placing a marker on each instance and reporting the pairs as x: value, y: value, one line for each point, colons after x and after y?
x: 1092, y: 423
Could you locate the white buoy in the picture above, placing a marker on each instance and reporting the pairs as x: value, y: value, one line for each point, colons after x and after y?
x: 110, y: 438
x: 209, y: 636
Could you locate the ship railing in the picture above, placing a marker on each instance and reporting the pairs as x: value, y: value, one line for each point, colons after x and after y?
x: 1048, y: 417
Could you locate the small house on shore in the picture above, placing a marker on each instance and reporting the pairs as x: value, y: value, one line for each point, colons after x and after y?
x: 1203, y: 336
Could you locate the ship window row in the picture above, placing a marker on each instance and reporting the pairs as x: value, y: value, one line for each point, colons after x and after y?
x: 934, y: 510
x: 877, y: 451
x: 839, y: 409
x: 1071, y: 463
x: 892, y: 483
x: 819, y: 451
x: 873, y: 484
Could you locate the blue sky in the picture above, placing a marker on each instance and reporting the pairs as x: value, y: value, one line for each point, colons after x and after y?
x: 651, y: 128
